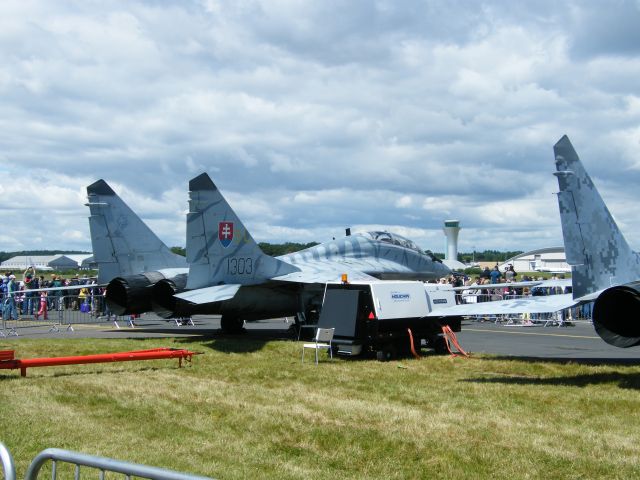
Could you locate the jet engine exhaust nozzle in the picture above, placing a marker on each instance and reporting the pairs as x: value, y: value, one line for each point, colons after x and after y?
x: 614, y: 315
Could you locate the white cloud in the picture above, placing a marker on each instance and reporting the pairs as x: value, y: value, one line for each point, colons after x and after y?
x: 315, y: 116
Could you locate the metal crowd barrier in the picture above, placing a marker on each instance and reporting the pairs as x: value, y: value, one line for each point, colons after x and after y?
x: 7, y: 463
x: 55, y: 313
x: 580, y: 313
x: 78, y: 460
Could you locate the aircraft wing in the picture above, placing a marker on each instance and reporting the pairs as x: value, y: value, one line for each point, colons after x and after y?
x: 357, y: 269
x: 330, y: 272
x: 545, y: 304
x: 216, y: 293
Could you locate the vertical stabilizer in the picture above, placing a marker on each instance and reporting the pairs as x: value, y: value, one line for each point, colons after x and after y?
x: 122, y: 243
x: 220, y: 250
x: 595, y: 248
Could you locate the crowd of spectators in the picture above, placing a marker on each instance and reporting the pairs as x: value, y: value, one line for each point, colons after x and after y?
x: 24, y: 298
x: 503, y: 285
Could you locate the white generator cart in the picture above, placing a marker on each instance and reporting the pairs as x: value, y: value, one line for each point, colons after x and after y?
x: 375, y: 317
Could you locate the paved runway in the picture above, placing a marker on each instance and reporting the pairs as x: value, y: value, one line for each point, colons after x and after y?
x: 572, y: 343
x: 576, y: 343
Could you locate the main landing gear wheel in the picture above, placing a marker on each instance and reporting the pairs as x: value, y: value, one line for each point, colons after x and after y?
x: 232, y: 325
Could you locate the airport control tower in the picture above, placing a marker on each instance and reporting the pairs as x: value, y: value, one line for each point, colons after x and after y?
x: 451, y: 229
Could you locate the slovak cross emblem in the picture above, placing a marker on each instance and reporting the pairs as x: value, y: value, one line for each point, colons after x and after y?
x: 225, y: 233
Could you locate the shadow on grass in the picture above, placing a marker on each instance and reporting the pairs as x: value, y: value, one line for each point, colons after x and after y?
x: 595, y: 361
x: 252, y: 340
x: 629, y: 380
x: 33, y: 371
x: 623, y: 380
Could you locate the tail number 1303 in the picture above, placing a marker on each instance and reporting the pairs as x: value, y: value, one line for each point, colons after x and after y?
x: 239, y: 266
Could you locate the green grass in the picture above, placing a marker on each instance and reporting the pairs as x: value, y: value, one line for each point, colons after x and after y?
x: 250, y: 409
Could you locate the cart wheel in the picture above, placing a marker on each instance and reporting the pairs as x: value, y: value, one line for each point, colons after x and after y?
x: 388, y: 352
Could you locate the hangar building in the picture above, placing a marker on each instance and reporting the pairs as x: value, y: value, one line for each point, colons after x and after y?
x: 57, y: 262
x: 551, y: 259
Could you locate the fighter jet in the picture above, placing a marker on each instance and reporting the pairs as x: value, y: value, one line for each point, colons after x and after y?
x: 129, y: 255
x: 603, y: 266
x: 230, y: 275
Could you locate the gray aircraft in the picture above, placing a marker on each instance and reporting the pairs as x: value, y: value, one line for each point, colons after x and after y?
x: 129, y: 255
x: 603, y: 266
x: 230, y: 275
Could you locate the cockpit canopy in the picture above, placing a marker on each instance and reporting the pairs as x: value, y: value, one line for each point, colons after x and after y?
x: 396, y: 239
x: 393, y: 238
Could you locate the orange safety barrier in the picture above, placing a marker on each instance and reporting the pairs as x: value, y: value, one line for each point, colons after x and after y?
x: 450, y: 338
x: 8, y: 360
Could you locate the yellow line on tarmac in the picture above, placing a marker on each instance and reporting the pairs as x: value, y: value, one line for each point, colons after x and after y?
x: 512, y: 332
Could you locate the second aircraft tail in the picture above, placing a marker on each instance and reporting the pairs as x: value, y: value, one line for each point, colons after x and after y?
x: 122, y: 243
x: 595, y: 248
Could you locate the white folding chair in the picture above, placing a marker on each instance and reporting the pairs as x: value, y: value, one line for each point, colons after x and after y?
x: 323, y: 339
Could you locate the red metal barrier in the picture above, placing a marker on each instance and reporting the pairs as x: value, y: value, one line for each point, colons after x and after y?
x: 8, y: 360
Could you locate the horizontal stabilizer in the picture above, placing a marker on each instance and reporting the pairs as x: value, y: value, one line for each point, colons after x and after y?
x: 546, y: 304
x: 216, y: 293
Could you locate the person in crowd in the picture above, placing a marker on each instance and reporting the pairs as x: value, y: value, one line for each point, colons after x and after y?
x: 485, y: 274
x: 106, y: 311
x: 11, y: 307
x: 57, y: 282
x: 83, y: 300
x: 4, y: 296
x: 72, y: 302
x: 30, y: 283
x: 510, y: 274
x: 495, y: 275
x: 43, y: 311
x: 470, y: 295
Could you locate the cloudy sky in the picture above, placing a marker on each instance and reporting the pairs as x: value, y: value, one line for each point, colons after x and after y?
x: 315, y: 116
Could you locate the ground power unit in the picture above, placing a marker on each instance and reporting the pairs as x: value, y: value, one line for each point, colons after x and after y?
x: 386, y: 318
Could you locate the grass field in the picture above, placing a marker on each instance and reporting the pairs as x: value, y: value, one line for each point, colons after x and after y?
x: 250, y: 409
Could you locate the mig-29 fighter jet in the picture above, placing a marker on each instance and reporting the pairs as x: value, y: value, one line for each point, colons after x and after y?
x: 228, y: 274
